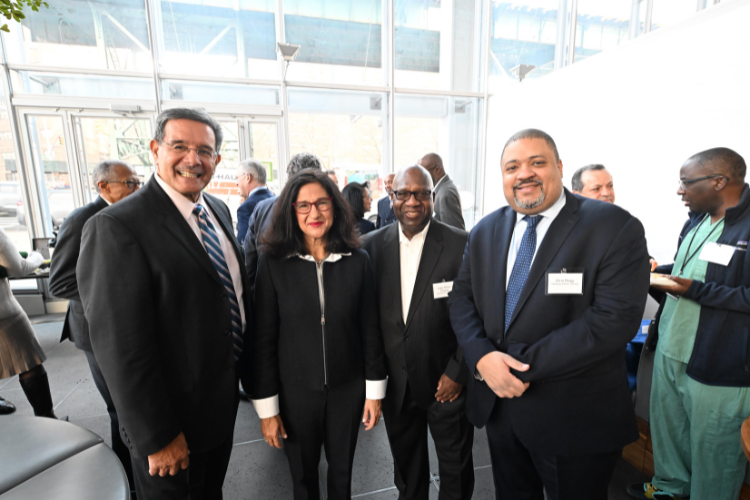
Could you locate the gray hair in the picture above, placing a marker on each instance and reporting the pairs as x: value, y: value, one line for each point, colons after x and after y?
x: 301, y: 161
x: 255, y: 168
x: 576, y: 181
x: 194, y: 114
x: 105, y: 171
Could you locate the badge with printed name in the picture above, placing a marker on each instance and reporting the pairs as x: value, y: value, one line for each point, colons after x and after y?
x: 566, y: 282
x: 440, y: 290
x: 717, y: 253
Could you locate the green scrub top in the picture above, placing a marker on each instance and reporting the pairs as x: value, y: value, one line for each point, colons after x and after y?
x: 679, y: 319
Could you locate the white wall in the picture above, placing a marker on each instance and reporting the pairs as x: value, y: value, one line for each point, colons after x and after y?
x: 641, y: 109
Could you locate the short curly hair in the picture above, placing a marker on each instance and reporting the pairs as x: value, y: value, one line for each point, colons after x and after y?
x: 302, y: 161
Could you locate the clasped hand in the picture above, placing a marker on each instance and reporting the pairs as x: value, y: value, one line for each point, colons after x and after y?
x: 170, y: 459
x: 680, y: 286
x: 495, y: 370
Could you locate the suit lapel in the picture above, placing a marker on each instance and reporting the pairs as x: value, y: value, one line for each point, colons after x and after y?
x: 392, y: 258
x: 556, y: 235
x: 226, y: 226
x: 433, y: 247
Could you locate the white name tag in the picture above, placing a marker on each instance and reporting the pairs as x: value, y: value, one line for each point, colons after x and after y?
x: 565, y: 284
x: 440, y: 290
x: 717, y: 253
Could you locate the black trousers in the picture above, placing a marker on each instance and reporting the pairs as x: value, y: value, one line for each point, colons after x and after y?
x: 453, y: 436
x: 330, y: 418
x: 523, y: 474
x: 120, y: 449
x: 202, y: 480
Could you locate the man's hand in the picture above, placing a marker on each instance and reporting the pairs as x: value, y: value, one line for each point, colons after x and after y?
x: 679, y: 288
x: 271, y: 428
x: 654, y: 264
x: 170, y: 459
x: 371, y: 415
x: 447, y: 390
x: 495, y: 370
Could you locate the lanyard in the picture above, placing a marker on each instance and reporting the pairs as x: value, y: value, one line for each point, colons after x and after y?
x: 688, y: 255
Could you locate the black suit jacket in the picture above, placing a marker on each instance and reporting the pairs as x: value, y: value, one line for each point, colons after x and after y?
x: 161, y: 325
x: 386, y: 215
x: 259, y: 222
x: 246, y: 210
x: 578, y: 401
x: 62, y: 273
x: 424, y: 348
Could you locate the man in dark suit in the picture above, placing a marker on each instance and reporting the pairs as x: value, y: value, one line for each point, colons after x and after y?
x: 163, y: 290
x: 114, y: 181
x: 551, y: 289
x: 447, y: 200
x: 386, y: 215
x: 415, y: 262
x: 251, y: 180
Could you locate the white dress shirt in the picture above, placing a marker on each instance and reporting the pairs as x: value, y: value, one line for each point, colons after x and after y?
x: 374, y: 389
x: 185, y: 207
x: 410, y: 253
x: 541, y: 230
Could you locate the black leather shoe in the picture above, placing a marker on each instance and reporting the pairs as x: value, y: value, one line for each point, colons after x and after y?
x: 6, y: 407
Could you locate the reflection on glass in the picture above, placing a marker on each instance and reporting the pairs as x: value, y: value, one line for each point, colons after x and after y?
x: 233, y: 38
x: 27, y: 82
x: 448, y: 126
x: 600, y: 26
x: 438, y: 44
x: 102, y: 34
x: 666, y: 12
x: 227, y: 93
x: 11, y: 197
x: 340, y: 40
x: 47, y: 144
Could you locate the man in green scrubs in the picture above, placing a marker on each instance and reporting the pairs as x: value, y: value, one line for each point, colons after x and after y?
x: 698, y: 402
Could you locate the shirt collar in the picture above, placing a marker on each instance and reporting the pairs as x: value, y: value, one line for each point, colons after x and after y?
x: 255, y: 189
x: 106, y: 200
x: 438, y: 182
x: 331, y: 257
x: 419, y: 236
x: 184, y: 205
x: 551, y: 212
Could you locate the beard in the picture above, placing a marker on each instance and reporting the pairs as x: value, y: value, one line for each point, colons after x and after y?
x: 528, y: 205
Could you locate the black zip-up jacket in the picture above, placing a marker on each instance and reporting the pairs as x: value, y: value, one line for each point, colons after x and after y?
x: 721, y: 355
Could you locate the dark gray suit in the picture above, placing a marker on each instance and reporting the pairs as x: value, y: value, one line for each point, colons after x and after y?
x: 259, y: 222
x: 448, y: 204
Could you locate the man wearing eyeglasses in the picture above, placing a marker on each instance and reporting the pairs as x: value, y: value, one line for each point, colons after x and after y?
x: 447, y: 200
x: 163, y: 290
x: 699, y: 392
x: 114, y: 180
x: 415, y: 262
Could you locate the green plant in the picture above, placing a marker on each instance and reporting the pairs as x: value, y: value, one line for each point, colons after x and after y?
x: 14, y: 10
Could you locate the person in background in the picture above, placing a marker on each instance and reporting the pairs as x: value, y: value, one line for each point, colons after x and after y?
x: 332, y: 175
x: 317, y: 348
x: 447, y: 200
x: 360, y: 201
x: 114, y: 181
x: 699, y: 392
x: 386, y: 215
x: 20, y: 352
x: 426, y: 368
x: 251, y: 180
x: 260, y: 219
x: 551, y: 289
x: 163, y: 290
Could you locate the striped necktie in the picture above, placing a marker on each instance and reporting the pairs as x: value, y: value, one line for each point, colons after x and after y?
x: 213, y: 247
x: 521, y: 267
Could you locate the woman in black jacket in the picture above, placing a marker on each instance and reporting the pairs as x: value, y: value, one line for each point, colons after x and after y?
x: 317, y: 348
x: 359, y: 199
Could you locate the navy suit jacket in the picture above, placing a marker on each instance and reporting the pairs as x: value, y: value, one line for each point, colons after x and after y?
x: 246, y: 210
x: 578, y: 401
x: 386, y: 215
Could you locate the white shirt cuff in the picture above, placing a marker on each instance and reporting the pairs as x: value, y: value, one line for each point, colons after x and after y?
x: 375, y: 389
x: 478, y: 375
x: 268, y: 407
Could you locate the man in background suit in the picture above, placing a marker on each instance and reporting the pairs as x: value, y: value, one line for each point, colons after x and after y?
x: 114, y: 180
x: 251, y: 179
x: 415, y: 262
x: 447, y: 200
x: 163, y: 290
x: 386, y: 215
x: 551, y: 289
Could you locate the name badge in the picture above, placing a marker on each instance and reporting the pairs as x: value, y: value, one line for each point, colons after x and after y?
x: 717, y: 253
x: 440, y: 290
x: 565, y: 283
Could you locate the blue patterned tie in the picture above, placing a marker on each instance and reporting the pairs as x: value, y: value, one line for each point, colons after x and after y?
x: 213, y: 247
x: 521, y: 267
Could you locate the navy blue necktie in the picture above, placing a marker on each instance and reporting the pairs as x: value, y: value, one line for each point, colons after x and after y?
x: 213, y: 247
x: 521, y: 267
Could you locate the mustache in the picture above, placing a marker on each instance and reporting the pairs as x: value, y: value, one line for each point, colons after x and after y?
x: 527, y: 183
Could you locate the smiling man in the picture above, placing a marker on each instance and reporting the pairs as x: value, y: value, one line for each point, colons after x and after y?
x: 163, y: 290
x: 551, y: 289
x: 594, y: 181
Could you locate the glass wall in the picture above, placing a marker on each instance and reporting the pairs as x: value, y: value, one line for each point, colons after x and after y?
x: 600, y: 26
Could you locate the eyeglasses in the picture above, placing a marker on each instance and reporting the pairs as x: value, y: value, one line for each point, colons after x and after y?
x: 204, y: 154
x: 131, y: 183
x: 403, y: 195
x: 304, y: 207
x: 684, y: 183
